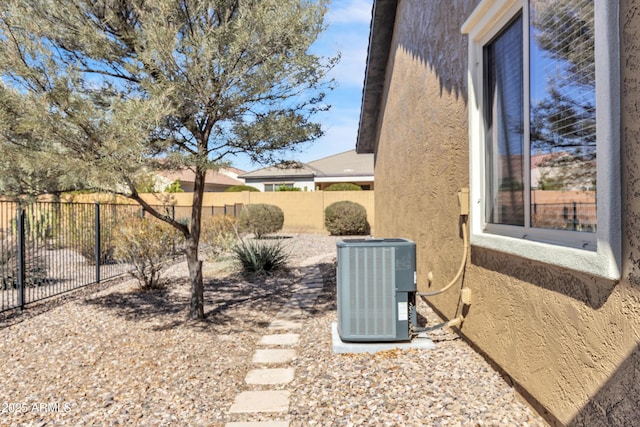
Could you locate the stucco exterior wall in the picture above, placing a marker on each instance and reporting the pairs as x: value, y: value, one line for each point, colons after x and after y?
x: 570, y: 341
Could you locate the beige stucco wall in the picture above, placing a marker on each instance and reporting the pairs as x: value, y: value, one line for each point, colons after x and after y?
x: 570, y: 341
x: 303, y: 211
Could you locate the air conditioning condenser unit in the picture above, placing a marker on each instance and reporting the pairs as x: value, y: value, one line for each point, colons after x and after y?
x: 376, y: 289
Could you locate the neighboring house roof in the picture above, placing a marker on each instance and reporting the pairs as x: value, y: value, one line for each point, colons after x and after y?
x: 348, y: 163
x: 297, y: 170
x: 188, y: 176
x: 231, y: 171
x: 345, y: 164
x: 381, y: 33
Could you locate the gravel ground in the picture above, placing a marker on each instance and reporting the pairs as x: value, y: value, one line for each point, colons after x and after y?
x: 122, y: 357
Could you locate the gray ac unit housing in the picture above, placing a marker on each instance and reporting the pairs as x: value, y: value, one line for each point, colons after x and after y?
x: 376, y: 288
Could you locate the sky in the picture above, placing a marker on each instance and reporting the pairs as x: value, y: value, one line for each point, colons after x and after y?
x: 348, y: 34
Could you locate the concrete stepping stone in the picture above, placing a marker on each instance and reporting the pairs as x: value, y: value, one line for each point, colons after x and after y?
x: 309, y: 291
x: 259, y: 424
x: 261, y: 401
x: 284, y: 324
x: 292, y: 312
x: 270, y: 376
x: 313, y: 283
x: 272, y: 356
x: 279, y: 339
x: 302, y: 301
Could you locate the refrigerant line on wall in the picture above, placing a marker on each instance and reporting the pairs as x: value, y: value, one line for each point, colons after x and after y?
x: 465, y: 239
x: 463, y: 200
x: 463, y: 195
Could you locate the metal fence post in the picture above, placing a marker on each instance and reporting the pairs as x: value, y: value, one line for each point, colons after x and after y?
x: 21, y: 257
x: 97, y: 229
x: 575, y: 216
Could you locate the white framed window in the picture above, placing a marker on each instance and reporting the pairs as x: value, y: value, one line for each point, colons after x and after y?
x: 276, y: 186
x: 544, y: 126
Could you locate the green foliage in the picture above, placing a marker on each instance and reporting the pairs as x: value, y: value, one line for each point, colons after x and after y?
x: 35, y: 265
x: 511, y: 184
x: 260, y: 256
x: 346, y: 218
x: 287, y: 188
x: 39, y: 221
x: 551, y: 184
x: 174, y: 187
x: 261, y: 219
x: 146, y: 184
x: 343, y: 186
x: 219, y: 234
x: 28, y: 167
x: 146, y: 244
x: 240, y: 188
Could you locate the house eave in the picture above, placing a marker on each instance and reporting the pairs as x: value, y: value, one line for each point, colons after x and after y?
x: 278, y: 177
x: 380, y: 36
x: 343, y: 178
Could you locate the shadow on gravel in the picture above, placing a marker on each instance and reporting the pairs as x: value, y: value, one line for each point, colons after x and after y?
x: 141, y: 305
x: 327, y: 298
x: 228, y: 301
x: 231, y: 302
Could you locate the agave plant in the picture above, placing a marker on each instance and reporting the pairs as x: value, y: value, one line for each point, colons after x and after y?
x: 259, y: 256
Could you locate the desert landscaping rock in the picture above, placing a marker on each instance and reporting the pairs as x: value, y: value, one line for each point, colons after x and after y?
x: 122, y: 357
x: 259, y: 424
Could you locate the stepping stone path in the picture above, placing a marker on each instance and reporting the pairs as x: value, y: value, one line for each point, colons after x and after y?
x: 272, y: 362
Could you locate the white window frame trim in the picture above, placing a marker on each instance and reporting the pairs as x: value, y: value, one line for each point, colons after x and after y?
x: 603, y: 260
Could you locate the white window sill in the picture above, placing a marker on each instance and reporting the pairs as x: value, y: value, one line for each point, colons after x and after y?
x: 600, y: 263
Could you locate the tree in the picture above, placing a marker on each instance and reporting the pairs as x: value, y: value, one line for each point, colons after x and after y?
x: 119, y: 87
x: 27, y: 169
x: 564, y: 121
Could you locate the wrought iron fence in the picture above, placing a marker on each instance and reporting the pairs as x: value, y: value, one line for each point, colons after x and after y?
x: 566, y: 216
x: 49, y: 248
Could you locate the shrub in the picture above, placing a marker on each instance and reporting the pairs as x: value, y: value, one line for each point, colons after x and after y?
x: 146, y: 184
x: 287, y: 188
x: 261, y: 219
x: 343, y: 186
x: 174, y: 187
x: 219, y: 233
x: 146, y: 244
x: 35, y: 266
x: 346, y: 218
x: 82, y: 227
x: 239, y: 188
x: 259, y: 257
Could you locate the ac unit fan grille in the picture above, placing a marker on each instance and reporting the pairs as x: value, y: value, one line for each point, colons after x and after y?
x: 368, y: 290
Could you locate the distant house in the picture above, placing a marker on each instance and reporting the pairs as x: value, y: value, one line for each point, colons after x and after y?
x: 348, y: 167
x: 215, y: 181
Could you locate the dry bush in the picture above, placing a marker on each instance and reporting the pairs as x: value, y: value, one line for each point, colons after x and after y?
x: 261, y: 219
x: 219, y: 234
x: 147, y: 244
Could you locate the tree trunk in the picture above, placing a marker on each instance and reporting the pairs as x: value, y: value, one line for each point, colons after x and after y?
x: 196, y: 308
